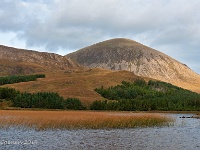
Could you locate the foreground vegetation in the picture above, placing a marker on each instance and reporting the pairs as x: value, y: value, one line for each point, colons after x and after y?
x: 143, y: 96
x: 80, y: 119
x: 22, y: 78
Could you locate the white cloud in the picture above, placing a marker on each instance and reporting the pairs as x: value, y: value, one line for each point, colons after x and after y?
x: 59, y: 25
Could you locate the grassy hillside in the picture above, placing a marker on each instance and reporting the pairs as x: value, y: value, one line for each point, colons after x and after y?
x: 8, y: 67
x: 78, y: 84
x: 96, y: 84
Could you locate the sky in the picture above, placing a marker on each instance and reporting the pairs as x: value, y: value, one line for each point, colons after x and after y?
x: 64, y: 26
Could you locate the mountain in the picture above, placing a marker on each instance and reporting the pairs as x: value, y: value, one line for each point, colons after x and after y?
x: 68, y: 78
x: 63, y: 75
x: 125, y: 54
x: 21, y: 61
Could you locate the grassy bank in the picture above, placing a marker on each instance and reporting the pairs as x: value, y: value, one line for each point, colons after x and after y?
x: 80, y: 119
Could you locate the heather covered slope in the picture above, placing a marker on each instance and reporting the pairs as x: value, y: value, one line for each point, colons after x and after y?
x: 125, y: 54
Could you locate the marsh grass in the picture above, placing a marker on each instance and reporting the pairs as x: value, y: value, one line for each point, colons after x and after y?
x: 41, y: 120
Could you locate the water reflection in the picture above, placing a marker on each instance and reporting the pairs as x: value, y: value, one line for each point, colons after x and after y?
x: 183, y: 135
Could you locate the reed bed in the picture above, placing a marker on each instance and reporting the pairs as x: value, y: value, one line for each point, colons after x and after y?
x: 80, y: 119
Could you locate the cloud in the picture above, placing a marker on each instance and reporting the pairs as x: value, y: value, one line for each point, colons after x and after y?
x: 18, y: 15
x: 170, y: 26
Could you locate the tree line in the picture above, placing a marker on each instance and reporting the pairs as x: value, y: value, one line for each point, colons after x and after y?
x: 128, y: 96
x: 44, y: 100
x: 141, y: 95
x: 20, y: 78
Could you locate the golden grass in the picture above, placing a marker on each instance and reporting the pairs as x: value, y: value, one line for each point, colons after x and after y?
x: 78, y: 84
x: 80, y: 119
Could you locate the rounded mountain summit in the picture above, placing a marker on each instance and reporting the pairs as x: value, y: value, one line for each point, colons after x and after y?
x: 125, y: 54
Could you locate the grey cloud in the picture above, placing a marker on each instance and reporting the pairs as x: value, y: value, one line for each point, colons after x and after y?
x: 10, y: 16
x: 17, y: 16
x: 116, y: 18
x: 170, y: 26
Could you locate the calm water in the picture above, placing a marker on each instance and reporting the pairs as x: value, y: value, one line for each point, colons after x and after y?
x: 184, y: 135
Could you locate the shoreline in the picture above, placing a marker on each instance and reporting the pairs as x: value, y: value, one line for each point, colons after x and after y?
x: 156, y: 111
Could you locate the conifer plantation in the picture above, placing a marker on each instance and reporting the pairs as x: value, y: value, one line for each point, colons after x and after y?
x: 20, y: 78
x: 143, y: 96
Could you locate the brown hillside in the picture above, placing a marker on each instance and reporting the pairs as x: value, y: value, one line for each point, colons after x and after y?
x: 20, y: 61
x: 65, y: 76
x: 79, y: 84
x: 125, y: 54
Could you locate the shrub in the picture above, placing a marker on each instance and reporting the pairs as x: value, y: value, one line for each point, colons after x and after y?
x: 47, y: 100
x: 73, y: 103
x: 17, y: 79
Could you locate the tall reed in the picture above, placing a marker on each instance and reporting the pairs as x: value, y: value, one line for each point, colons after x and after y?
x: 80, y: 119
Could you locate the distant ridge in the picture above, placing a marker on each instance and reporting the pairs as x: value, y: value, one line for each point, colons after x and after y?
x: 126, y: 54
x: 16, y: 61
